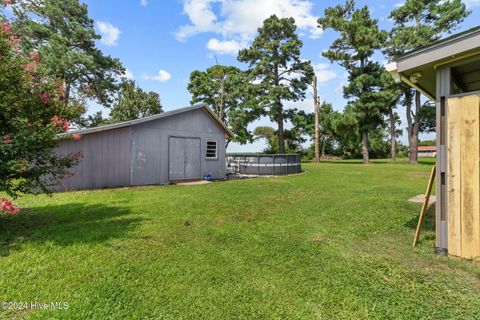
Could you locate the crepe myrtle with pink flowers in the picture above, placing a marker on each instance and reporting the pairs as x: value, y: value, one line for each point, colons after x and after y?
x: 32, y: 115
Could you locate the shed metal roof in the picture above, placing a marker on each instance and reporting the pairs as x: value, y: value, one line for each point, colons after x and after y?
x: 427, y: 148
x: 166, y: 114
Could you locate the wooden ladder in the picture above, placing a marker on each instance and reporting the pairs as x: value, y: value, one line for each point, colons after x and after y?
x: 425, y: 205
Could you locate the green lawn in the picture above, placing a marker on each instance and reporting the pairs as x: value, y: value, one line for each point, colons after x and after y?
x: 331, y: 243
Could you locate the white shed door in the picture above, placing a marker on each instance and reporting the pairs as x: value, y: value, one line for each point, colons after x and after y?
x: 184, y: 157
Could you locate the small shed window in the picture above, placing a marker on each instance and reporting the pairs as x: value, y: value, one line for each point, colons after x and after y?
x: 211, y: 152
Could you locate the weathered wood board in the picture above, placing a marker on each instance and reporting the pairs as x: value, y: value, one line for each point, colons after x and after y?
x: 453, y: 160
x: 464, y: 177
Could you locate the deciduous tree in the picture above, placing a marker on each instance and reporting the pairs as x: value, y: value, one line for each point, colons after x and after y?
x: 227, y: 90
x: 31, y: 116
x: 267, y: 133
x: 133, y: 103
x: 93, y: 120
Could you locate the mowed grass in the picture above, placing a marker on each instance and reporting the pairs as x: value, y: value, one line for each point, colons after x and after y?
x: 331, y: 243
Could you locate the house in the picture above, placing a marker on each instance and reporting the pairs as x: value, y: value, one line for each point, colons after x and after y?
x: 183, y: 144
x: 427, y: 151
x: 448, y: 72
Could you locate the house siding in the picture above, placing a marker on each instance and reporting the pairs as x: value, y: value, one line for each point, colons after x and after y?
x: 150, y: 146
x: 139, y: 154
x: 105, y: 161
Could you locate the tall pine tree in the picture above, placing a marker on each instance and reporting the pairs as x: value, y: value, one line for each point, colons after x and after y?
x: 275, y: 64
x: 390, y: 95
x: 359, y: 38
x: 417, y: 24
x: 64, y: 37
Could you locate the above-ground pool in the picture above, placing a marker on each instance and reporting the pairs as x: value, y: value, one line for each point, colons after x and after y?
x: 265, y: 164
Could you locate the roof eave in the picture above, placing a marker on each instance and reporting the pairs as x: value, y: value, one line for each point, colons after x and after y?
x: 439, y: 43
x: 229, y: 133
x: 392, y: 68
x: 123, y: 124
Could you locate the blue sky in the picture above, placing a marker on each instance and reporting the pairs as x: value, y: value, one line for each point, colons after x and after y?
x: 161, y: 42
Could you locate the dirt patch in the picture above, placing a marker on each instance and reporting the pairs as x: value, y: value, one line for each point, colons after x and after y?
x: 421, y: 198
x: 318, y: 238
x: 193, y: 183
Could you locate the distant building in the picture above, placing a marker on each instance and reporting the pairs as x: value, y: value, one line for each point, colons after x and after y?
x: 427, y: 151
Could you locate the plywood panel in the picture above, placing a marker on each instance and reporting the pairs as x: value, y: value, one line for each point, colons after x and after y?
x: 470, y: 176
x: 453, y: 178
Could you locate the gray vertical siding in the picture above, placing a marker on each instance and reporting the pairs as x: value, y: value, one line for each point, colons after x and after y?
x: 139, y: 154
x: 105, y: 161
x: 150, y: 146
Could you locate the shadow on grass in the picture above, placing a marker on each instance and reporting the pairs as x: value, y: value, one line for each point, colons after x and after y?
x: 428, y: 222
x: 64, y: 225
x: 421, y: 161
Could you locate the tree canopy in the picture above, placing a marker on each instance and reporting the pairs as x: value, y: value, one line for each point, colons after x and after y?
x: 31, y: 116
x: 276, y: 67
x: 417, y: 24
x: 359, y: 38
x: 133, y: 103
x: 64, y: 36
x: 227, y: 90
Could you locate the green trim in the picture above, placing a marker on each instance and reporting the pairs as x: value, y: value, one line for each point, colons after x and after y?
x: 417, y: 87
x: 459, y: 60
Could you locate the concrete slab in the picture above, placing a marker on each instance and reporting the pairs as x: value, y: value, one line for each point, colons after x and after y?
x: 421, y: 198
x: 193, y: 183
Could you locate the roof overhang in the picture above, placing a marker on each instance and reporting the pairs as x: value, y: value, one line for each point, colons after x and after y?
x: 418, y: 68
x: 228, y: 133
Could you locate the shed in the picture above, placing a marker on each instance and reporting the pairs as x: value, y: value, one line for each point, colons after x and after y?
x: 448, y: 72
x: 427, y: 151
x: 183, y: 144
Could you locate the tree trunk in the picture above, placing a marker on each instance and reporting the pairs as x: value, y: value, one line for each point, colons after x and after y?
x: 393, y: 139
x: 281, y: 139
x: 365, y: 146
x: 324, y: 142
x: 316, y: 111
x: 413, y: 129
x: 66, y: 96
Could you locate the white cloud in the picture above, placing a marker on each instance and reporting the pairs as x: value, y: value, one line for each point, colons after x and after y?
x: 341, y: 84
x: 224, y: 47
x: 143, y: 3
x: 323, y: 72
x: 201, y: 17
x: 129, y: 74
x: 240, y: 19
x: 161, y: 76
x: 109, y: 33
x: 304, y: 105
x: 472, y: 3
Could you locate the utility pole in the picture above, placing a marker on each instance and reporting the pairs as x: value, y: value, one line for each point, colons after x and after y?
x: 316, y: 111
